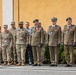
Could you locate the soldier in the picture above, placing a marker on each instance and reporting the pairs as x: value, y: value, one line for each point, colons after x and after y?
x: 0, y: 47
x: 6, y: 45
x: 43, y: 48
x: 69, y: 40
x: 13, y: 49
x: 54, y: 40
x: 29, y: 48
x: 37, y: 42
x: 21, y: 43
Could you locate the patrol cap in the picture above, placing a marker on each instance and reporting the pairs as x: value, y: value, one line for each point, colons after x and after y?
x: 5, y: 26
x: 21, y: 22
x: 36, y: 20
x: 12, y: 23
x: 69, y: 18
x: 54, y: 19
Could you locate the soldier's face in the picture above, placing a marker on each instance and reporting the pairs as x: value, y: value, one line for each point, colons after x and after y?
x: 36, y: 23
x: 27, y: 25
x: 21, y: 25
x: 54, y: 22
x: 5, y: 28
x: 69, y: 22
x: 13, y: 25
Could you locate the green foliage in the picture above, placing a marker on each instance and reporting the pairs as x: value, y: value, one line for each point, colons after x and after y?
x: 75, y: 55
x: 61, y: 55
x: 61, y: 48
x: 63, y: 58
x: 46, y: 55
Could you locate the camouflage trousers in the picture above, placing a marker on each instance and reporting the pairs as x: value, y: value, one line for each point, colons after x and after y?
x: 21, y: 49
x: 13, y: 53
x: 6, y: 51
x: 0, y: 55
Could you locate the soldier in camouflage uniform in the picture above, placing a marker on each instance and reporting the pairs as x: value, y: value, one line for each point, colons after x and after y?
x: 6, y: 45
x: 13, y: 49
x: 0, y: 47
x: 37, y: 42
x: 54, y: 40
x: 21, y: 43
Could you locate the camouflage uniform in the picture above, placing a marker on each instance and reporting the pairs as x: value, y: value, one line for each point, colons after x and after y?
x: 6, y: 45
x: 13, y: 50
x: 21, y: 44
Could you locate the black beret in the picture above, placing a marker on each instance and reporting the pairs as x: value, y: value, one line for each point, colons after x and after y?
x: 69, y: 18
x: 54, y: 19
x: 36, y: 20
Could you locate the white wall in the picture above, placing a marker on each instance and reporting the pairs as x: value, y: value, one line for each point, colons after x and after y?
x: 7, y: 12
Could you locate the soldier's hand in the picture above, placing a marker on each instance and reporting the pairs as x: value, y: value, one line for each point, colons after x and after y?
x: 58, y: 44
x: 41, y: 45
x: 74, y: 44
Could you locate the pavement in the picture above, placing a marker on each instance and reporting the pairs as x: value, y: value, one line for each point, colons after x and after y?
x: 37, y: 70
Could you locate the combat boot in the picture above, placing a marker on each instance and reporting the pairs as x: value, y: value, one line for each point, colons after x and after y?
x: 9, y: 64
x: 19, y: 64
x: 0, y: 63
x: 5, y: 63
x: 14, y: 62
x: 22, y: 63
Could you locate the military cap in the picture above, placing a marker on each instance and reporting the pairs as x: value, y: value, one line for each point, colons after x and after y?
x: 54, y: 19
x: 69, y: 18
x: 36, y: 20
x: 21, y: 22
x: 12, y: 23
x: 5, y: 26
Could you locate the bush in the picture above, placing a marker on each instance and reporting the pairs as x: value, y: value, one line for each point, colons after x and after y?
x: 47, y: 55
x: 61, y: 48
x: 61, y: 55
x: 75, y: 55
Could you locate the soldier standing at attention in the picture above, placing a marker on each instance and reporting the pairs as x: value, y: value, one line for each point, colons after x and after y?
x: 54, y: 40
x: 21, y: 43
x: 37, y: 42
x: 0, y: 47
x: 6, y: 45
x: 29, y: 47
x: 43, y: 48
x: 13, y: 49
x: 69, y: 40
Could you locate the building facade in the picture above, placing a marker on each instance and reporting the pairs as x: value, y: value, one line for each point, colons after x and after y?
x: 44, y: 10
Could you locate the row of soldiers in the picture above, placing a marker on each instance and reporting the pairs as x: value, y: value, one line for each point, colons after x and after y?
x: 16, y: 41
